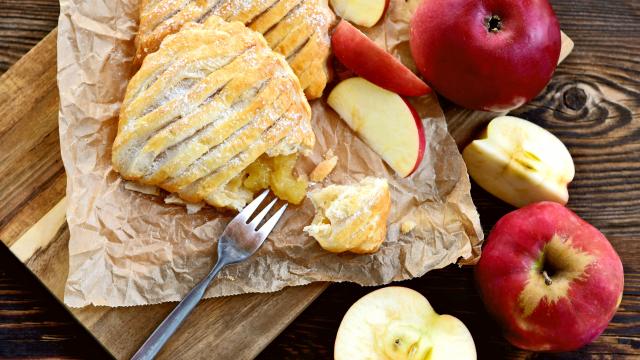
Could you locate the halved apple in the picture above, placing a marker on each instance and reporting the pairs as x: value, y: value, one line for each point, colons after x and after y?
x: 520, y: 162
x: 399, y: 323
x: 360, y: 54
x: 362, y: 12
x: 384, y: 120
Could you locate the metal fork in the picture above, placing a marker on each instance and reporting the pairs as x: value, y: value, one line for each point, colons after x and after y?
x: 238, y: 241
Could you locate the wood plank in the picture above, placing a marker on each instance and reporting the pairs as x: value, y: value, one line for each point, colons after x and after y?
x: 24, y: 23
x: 29, y: 142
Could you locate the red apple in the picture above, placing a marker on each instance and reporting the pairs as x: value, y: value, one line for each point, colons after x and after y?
x: 362, y: 12
x: 384, y: 120
x: 360, y: 54
x: 551, y: 280
x: 492, y: 55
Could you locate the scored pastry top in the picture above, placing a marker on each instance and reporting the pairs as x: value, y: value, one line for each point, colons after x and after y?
x: 297, y: 29
x: 206, y: 105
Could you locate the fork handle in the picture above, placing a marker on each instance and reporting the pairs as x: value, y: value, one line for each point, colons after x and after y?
x: 172, y: 322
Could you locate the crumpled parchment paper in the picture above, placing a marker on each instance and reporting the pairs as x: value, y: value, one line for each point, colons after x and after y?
x: 128, y: 248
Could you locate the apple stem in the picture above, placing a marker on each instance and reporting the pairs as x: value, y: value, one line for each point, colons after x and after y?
x: 547, y: 279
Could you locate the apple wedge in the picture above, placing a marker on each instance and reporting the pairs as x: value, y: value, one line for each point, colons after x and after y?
x: 520, y: 163
x: 361, y: 12
x: 360, y: 54
x: 399, y: 323
x: 384, y: 120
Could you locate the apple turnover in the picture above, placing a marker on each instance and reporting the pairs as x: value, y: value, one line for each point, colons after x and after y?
x: 298, y: 29
x: 351, y: 217
x: 211, y: 101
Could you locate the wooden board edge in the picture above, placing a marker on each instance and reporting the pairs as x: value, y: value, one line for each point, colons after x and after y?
x: 41, y: 233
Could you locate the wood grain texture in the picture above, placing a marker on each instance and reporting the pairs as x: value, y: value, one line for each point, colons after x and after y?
x: 592, y: 104
x: 23, y: 23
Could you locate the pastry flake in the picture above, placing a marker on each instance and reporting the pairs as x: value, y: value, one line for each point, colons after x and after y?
x: 297, y: 29
x: 324, y: 168
x: 351, y: 217
x: 212, y: 100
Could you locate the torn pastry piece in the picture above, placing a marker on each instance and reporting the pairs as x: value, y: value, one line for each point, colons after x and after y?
x: 324, y: 167
x: 212, y: 100
x: 297, y: 29
x: 351, y: 217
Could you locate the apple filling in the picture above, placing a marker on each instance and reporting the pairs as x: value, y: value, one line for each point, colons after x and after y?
x: 277, y: 173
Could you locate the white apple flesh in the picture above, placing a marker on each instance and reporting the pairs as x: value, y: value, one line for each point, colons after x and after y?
x: 399, y: 323
x: 520, y: 162
x: 387, y: 123
x: 361, y: 12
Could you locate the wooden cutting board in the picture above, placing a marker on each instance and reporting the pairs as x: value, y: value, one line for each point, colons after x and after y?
x: 32, y: 225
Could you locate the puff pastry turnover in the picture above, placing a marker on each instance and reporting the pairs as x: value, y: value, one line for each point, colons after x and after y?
x: 298, y: 29
x: 351, y: 217
x: 206, y: 105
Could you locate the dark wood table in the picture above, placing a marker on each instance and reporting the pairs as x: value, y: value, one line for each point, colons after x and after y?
x: 592, y: 104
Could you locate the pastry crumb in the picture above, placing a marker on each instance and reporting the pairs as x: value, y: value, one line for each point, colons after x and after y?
x: 324, y: 168
x: 407, y: 227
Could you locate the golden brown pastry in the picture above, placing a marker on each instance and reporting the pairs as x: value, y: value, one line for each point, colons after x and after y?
x: 298, y: 29
x: 212, y: 100
x: 324, y: 167
x: 351, y: 217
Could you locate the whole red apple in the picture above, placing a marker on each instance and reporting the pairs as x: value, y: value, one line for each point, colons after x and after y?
x: 491, y: 55
x: 551, y: 280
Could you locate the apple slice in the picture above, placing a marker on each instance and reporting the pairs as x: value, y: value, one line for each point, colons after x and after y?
x: 399, y: 323
x: 520, y: 162
x: 362, y: 12
x: 384, y: 120
x: 360, y: 54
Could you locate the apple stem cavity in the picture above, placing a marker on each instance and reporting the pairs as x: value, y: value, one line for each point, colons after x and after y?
x: 494, y: 23
x: 547, y: 279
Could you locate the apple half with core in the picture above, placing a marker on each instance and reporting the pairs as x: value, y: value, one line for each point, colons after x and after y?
x: 361, y: 12
x: 492, y: 55
x: 361, y: 55
x: 384, y: 120
x: 551, y: 280
x: 520, y: 163
x: 399, y: 323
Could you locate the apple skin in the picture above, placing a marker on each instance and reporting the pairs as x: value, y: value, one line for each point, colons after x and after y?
x: 421, y: 137
x: 508, y: 279
x: 360, y: 54
x: 482, y: 70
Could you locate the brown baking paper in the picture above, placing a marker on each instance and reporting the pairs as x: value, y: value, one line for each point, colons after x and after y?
x: 128, y: 248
